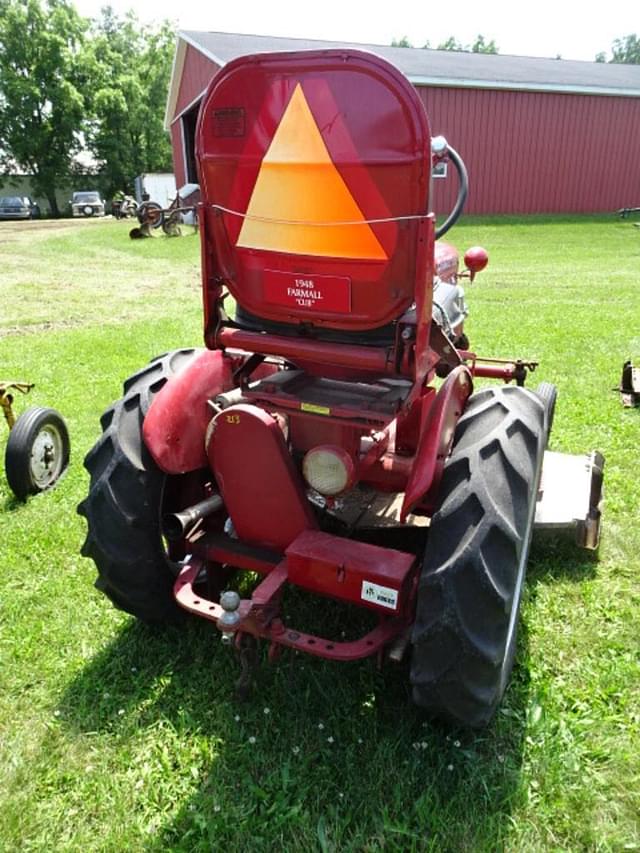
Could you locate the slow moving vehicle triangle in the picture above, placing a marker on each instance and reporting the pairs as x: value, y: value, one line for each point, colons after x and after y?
x: 299, y: 191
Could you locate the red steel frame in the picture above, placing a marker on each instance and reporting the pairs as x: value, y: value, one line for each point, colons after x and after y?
x: 409, y: 446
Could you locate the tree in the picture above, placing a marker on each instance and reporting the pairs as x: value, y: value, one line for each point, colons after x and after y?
x: 480, y: 45
x: 451, y: 44
x: 132, y: 70
x: 42, y: 84
x: 401, y: 42
x: 624, y: 50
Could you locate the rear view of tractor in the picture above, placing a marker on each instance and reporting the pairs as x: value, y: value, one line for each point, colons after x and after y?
x: 328, y: 437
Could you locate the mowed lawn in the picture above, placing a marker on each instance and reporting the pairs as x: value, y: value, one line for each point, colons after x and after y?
x: 114, y: 737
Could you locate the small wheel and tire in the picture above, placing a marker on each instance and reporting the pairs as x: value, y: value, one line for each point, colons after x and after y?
x: 37, y: 451
x: 125, y: 502
x: 150, y: 213
x: 464, y: 636
x: 88, y: 210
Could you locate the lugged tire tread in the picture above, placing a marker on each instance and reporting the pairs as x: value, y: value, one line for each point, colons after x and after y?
x: 466, y: 593
x: 122, y: 507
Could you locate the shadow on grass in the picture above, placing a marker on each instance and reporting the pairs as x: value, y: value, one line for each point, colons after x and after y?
x: 555, y: 557
x: 11, y: 504
x: 323, y: 755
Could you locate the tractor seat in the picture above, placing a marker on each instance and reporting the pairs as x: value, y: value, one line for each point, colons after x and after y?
x: 383, y: 336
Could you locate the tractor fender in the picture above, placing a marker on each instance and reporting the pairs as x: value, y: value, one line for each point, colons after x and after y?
x: 435, y: 442
x: 175, y: 426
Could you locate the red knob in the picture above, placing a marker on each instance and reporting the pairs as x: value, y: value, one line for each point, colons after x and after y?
x: 476, y: 259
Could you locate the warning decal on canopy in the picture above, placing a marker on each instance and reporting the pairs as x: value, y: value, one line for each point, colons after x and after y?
x: 299, y: 193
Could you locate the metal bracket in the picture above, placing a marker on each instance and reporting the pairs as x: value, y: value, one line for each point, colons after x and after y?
x: 6, y: 399
x: 630, y: 385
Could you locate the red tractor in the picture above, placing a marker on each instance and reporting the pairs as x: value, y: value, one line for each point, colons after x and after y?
x: 328, y: 437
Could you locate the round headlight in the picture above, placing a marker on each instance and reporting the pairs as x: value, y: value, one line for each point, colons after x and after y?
x: 328, y: 469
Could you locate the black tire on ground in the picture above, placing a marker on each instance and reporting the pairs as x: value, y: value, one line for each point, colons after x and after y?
x: 464, y: 636
x: 37, y: 451
x: 124, y: 505
x: 548, y: 393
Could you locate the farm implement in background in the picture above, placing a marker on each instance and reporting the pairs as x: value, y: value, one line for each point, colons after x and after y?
x: 37, y: 452
x: 171, y: 220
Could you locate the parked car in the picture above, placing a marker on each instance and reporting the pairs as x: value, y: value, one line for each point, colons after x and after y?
x: 87, y: 204
x: 18, y: 207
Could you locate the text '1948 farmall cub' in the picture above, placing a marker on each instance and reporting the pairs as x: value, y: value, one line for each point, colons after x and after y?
x: 328, y: 437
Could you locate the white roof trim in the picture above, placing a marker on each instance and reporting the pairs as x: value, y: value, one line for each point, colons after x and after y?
x: 461, y: 83
x: 188, y: 107
x: 202, y: 49
x: 174, y: 83
x: 182, y: 40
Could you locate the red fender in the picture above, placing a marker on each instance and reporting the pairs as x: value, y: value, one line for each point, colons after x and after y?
x: 437, y: 437
x: 175, y: 425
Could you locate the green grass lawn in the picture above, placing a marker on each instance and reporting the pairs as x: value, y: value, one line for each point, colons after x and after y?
x: 114, y: 737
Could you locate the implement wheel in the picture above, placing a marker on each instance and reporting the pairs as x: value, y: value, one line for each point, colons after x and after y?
x: 150, y: 213
x: 37, y: 451
x: 127, y: 496
x: 464, y: 637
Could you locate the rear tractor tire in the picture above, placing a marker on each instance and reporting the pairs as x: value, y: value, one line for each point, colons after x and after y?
x: 464, y: 636
x: 125, y: 501
x: 548, y: 393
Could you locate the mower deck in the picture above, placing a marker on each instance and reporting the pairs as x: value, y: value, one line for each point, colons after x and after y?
x: 570, y: 496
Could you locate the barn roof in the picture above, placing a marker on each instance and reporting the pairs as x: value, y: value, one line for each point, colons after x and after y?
x: 432, y: 67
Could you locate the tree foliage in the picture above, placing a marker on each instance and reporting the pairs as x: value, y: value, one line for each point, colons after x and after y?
x: 480, y: 45
x: 401, y: 42
x: 624, y: 50
x: 70, y: 86
x: 42, y: 85
x: 132, y: 67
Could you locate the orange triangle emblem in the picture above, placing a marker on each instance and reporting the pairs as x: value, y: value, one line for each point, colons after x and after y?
x: 299, y: 193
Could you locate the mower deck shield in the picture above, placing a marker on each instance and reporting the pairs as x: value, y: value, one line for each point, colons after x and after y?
x: 570, y: 496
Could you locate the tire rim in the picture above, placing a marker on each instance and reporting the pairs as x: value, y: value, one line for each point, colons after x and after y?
x: 46, y: 457
x: 88, y: 210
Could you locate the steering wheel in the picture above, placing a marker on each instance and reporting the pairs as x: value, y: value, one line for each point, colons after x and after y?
x: 463, y: 189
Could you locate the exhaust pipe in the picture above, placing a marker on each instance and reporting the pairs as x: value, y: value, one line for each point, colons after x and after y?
x: 176, y: 525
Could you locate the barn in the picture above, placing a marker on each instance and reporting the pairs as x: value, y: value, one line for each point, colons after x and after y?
x: 537, y: 135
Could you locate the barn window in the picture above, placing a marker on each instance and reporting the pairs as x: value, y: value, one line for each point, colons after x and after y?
x: 189, y: 120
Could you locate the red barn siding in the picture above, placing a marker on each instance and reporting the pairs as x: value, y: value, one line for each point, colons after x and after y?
x: 526, y: 152
x: 196, y: 76
x: 535, y: 152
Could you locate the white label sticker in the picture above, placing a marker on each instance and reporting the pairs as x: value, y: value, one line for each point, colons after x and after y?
x: 382, y: 595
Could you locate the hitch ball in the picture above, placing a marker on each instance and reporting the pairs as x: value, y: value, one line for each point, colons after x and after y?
x: 228, y: 622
